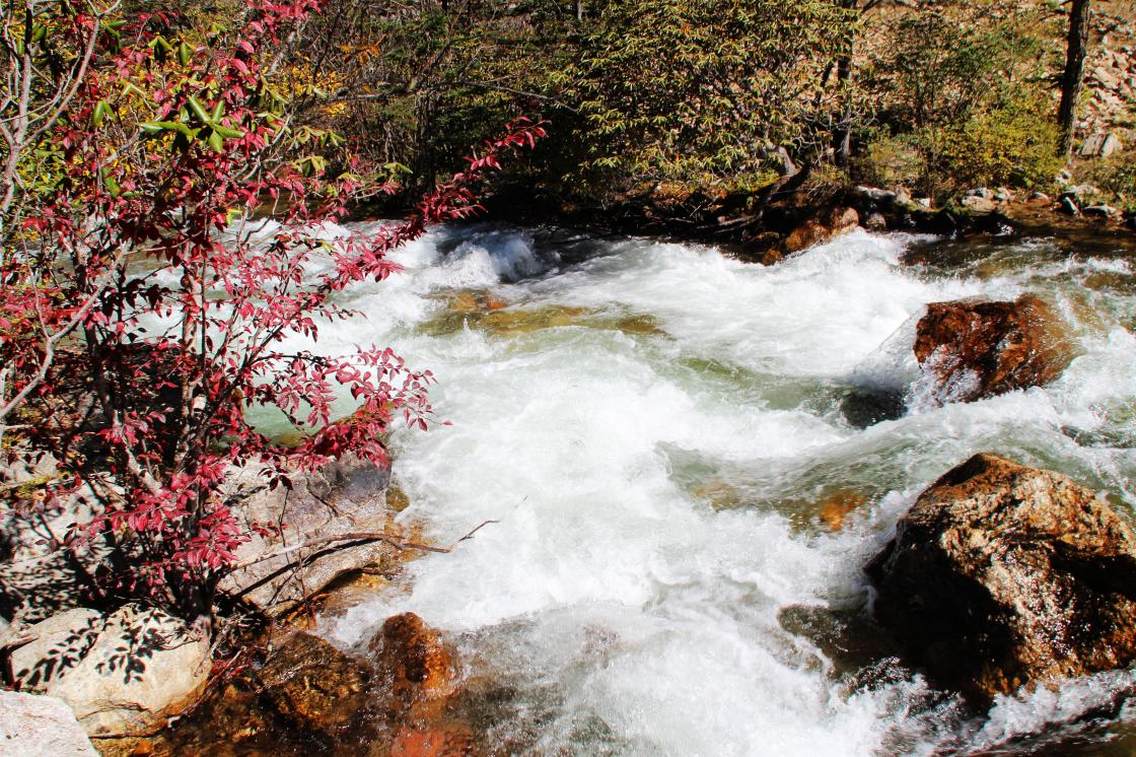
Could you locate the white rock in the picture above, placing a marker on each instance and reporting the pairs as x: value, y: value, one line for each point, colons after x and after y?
x: 144, y: 666
x: 38, y: 726
x: 978, y: 204
x: 57, y: 644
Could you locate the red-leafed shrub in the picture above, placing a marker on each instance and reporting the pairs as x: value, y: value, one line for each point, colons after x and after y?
x: 142, y: 309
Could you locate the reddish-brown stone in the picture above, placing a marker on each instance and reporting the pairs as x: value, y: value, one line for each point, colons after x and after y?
x: 816, y: 231
x: 1002, y: 575
x: 980, y: 349
x: 414, y: 661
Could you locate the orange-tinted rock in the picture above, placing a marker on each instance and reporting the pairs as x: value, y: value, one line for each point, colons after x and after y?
x: 1002, y: 575
x: 813, y: 232
x: 416, y: 664
x: 452, y: 741
x: 980, y: 349
x: 315, y: 685
x: 835, y: 508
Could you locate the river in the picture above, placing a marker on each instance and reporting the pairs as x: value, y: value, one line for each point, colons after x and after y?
x: 677, y: 450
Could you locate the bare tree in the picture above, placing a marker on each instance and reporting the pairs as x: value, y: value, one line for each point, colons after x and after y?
x: 42, y: 70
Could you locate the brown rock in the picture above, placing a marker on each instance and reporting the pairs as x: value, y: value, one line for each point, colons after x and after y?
x: 316, y: 686
x: 1002, y: 575
x: 980, y: 349
x: 433, y: 742
x: 813, y: 232
x: 836, y: 507
x: 416, y: 665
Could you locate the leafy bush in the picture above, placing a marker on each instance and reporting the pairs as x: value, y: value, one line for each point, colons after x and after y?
x: 964, y: 94
x: 680, y: 89
x: 1116, y: 176
x: 143, y: 311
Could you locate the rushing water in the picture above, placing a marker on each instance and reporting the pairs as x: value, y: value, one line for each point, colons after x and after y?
x: 656, y: 428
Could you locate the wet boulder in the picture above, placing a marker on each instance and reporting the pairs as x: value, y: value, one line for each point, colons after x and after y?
x: 976, y: 349
x: 1002, y: 575
x: 415, y: 665
x: 315, y: 686
x: 816, y: 231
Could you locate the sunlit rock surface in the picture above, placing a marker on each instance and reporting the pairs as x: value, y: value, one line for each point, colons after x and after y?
x: 1002, y: 575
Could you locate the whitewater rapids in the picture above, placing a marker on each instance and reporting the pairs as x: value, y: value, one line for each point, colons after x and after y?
x: 659, y: 579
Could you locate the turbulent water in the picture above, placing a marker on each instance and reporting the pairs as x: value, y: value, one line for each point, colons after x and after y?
x: 676, y: 448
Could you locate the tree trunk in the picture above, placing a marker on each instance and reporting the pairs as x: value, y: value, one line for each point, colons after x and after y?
x: 842, y: 138
x: 1073, y: 78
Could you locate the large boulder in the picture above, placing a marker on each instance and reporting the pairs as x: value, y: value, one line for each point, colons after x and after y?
x: 121, y: 674
x: 347, y: 496
x: 46, y: 650
x: 976, y: 349
x: 38, y: 726
x: 1002, y: 575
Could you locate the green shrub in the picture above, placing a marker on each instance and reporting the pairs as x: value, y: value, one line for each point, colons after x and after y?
x: 1116, y: 177
x: 1008, y: 145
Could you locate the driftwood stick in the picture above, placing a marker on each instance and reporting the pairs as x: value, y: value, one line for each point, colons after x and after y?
x: 471, y: 533
x: 357, y: 537
x: 354, y: 536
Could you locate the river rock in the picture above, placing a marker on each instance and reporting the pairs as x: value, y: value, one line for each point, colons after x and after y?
x: 979, y: 204
x: 976, y: 349
x: 124, y: 673
x: 316, y: 686
x: 1003, y: 575
x: 346, y: 496
x: 416, y: 664
x: 813, y: 232
x: 39, y: 726
x: 1100, y: 211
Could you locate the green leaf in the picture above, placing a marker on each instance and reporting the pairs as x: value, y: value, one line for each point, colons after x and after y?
x: 216, y: 141
x: 199, y: 110
x: 154, y: 127
x: 100, y: 114
x: 185, y: 54
x: 130, y: 89
x: 225, y: 131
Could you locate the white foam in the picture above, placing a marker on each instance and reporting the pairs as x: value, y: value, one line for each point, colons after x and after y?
x: 606, y: 593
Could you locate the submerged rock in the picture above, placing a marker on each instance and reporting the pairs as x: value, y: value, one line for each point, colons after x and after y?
x: 838, y: 506
x: 1003, y: 575
x: 120, y: 674
x: 975, y: 349
x: 495, y: 318
x: 38, y: 726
